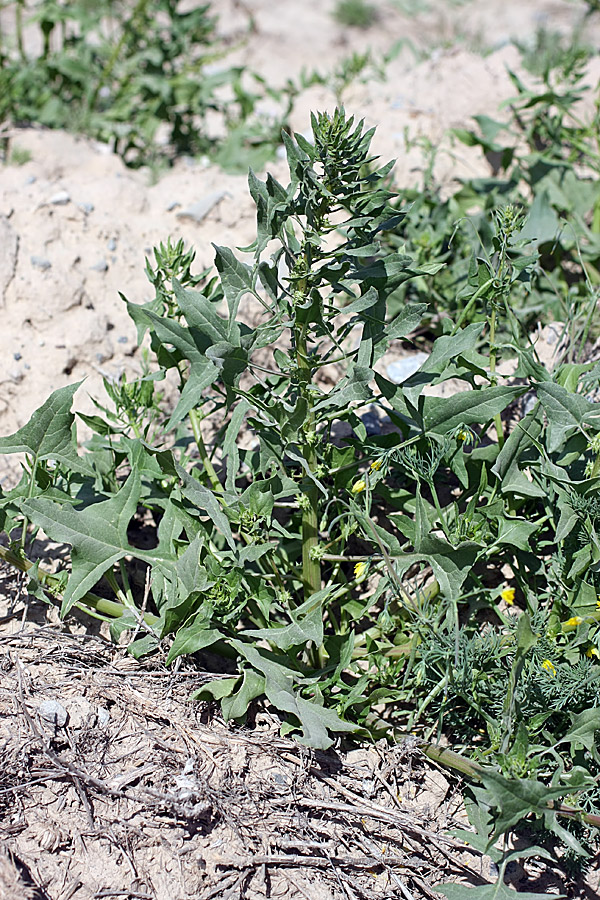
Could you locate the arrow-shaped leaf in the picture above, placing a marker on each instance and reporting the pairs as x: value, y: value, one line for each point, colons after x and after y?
x: 97, y: 535
x: 49, y: 434
x: 306, y: 625
x: 443, y: 414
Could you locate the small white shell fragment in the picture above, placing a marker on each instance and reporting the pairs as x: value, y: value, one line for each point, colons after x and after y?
x: 60, y: 199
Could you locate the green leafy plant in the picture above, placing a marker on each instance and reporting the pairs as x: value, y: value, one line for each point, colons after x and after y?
x: 355, y: 13
x: 143, y: 77
x: 544, y: 162
x: 365, y: 556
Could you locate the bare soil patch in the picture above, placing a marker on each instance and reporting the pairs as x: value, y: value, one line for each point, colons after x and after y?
x: 114, y: 784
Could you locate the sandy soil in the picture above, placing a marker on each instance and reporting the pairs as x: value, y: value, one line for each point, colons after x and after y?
x: 183, y: 808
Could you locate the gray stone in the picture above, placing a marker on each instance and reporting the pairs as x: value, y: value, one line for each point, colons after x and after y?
x: 60, y: 199
x: 402, y: 369
x: 40, y: 262
x: 100, y: 266
x: 105, y: 354
x: 86, y: 207
x: 112, y: 245
x: 54, y: 712
x: 198, y: 211
x: 17, y: 357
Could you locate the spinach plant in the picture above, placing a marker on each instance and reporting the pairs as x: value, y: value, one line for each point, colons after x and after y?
x: 246, y: 535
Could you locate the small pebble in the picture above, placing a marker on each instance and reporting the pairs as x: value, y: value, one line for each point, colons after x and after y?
x: 26, y: 366
x: 40, y: 262
x: 16, y: 375
x: 60, y: 199
x: 402, y: 369
x: 86, y: 207
x: 54, y: 712
x: 31, y: 179
x: 100, y: 266
x: 173, y: 205
x: 112, y: 245
x: 122, y: 339
x: 103, y: 717
x: 17, y: 357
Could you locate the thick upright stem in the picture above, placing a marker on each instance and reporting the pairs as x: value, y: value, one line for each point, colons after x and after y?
x: 493, y: 377
x: 311, y: 567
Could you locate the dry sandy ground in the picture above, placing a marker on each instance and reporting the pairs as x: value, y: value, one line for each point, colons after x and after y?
x: 113, y: 784
x: 136, y: 795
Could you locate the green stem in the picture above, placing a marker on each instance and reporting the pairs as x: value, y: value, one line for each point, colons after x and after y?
x: 458, y: 763
x: 29, y: 496
x: 493, y: 378
x: 19, y: 28
x: 107, y: 608
x: 206, y: 461
x: 112, y: 581
x: 478, y: 293
x: 311, y: 567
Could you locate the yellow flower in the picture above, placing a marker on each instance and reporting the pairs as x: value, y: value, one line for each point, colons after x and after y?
x: 549, y: 667
x: 591, y: 652
x: 465, y: 436
x: 376, y: 465
x: 359, y: 486
x: 360, y: 569
x: 508, y: 595
x: 574, y: 621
